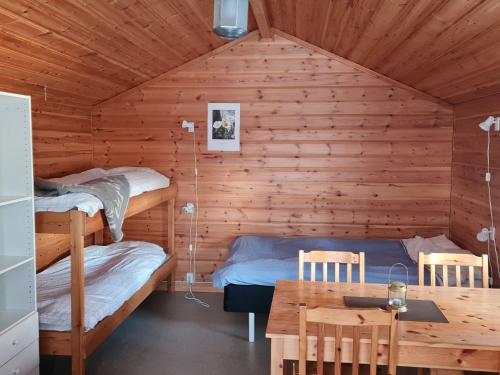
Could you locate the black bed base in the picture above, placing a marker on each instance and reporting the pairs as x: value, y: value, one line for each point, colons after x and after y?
x: 248, y: 298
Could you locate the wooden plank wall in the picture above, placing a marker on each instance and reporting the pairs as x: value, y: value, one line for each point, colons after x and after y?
x: 61, y: 130
x: 327, y: 150
x: 469, y: 195
x: 61, y: 140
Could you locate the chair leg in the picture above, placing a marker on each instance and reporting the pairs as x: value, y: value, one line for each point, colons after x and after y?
x: 251, y: 327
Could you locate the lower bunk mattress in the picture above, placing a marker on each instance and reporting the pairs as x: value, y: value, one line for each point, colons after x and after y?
x: 113, y: 274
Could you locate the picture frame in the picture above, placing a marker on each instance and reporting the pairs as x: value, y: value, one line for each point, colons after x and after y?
x: 223, y: 127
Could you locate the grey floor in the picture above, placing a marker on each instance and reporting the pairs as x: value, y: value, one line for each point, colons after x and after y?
x: 169, y: 335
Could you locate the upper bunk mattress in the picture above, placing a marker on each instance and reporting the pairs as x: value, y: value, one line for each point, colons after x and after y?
x: 113, y: 274
x: 140, y: 179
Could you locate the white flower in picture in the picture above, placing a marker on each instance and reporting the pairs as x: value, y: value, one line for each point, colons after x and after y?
x: 217, y: 124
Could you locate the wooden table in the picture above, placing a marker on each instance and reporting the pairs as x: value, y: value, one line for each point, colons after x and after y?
x: 470, y: 341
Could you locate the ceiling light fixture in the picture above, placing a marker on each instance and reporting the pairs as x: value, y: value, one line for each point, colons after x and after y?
x: 230, y: 18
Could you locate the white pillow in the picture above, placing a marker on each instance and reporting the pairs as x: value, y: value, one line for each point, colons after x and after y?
x: 141, y: 179
x: 439, y: 244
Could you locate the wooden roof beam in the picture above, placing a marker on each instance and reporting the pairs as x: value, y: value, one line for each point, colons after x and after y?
x: 260, y: 13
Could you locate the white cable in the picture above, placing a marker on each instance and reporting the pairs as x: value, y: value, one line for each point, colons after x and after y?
x: 192, y: 251
x: 492, y: 223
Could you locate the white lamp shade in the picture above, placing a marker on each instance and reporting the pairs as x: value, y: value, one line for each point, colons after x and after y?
x: 230, y: 18
x: 489, y: 122
x: 486, y: 124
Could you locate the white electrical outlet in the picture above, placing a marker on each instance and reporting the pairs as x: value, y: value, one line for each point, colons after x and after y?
x: 190, y: 278
x: 188, y: 125
x: 486, y: 234
x: 188, y: 209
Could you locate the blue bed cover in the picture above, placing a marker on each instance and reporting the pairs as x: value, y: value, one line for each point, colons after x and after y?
x: 256, y: 260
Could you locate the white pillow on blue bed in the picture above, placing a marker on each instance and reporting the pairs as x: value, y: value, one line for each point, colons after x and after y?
x: 440, y: 244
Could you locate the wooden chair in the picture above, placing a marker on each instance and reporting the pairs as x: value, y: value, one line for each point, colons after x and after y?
x: 336, y: 257
x: 456, y: 260
x: 339, y: 318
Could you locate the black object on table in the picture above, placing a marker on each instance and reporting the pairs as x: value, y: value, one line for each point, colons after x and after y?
x: 418, y: 310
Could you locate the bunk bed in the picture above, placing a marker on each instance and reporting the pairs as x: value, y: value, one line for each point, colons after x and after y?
x: 79, y: 343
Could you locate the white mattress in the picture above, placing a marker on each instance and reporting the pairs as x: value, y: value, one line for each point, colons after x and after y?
x: 112, y: 276
x: 140, y: 179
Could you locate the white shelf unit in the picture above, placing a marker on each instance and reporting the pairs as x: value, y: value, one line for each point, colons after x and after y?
x: 5, y: 201
x: 18, y: 316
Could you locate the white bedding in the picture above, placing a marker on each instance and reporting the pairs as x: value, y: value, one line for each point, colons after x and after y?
x: 112, y: 275
x: 141, y: 180
x: 439, y: 244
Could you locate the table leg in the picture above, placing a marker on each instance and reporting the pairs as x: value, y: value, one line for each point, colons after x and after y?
x: 276, y: 356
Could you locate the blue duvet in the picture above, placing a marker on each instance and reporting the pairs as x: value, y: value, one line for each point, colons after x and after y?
x: 264, y: 260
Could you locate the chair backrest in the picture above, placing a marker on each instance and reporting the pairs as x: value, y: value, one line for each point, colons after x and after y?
x: 455, y: 260
x: 340, y: 318
x: 333, y: 257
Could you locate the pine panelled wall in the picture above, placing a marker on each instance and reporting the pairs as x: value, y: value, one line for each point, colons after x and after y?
x: 327, y: 149
x: 469, y: 194
x: 61, y: 130
x: 61, y: 140
x: 61, y: 127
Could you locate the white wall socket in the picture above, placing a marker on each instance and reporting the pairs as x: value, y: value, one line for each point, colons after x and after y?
x: 188, y: 125
x: 188, y: 208
x: 486, y: 234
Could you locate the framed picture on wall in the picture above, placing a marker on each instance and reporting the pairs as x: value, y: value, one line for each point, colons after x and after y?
x: 223, y: 127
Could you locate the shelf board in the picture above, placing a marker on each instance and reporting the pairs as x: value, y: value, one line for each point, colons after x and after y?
x: 10, y: 262
x: 6, y: 200
x: 9, y: 318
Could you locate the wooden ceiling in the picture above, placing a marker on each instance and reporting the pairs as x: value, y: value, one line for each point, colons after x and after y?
x: 91, y: 50
x: 447, y: 48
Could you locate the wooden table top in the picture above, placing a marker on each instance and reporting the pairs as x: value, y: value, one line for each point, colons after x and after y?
x: 473, y: 314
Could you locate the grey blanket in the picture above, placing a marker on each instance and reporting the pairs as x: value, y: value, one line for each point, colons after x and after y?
x: 112, y: 191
